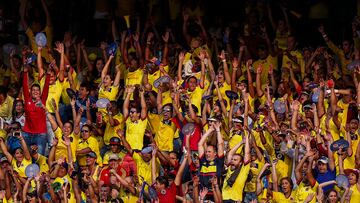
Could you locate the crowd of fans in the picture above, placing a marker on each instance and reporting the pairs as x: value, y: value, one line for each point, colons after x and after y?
x: 235, y: 114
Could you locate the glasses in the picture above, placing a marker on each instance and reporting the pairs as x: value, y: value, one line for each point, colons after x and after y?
x: 132, y: 112
x: 84, y: 131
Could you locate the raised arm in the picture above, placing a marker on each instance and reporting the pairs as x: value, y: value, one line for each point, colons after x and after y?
x: 185, y: 28
x: 165, y: 57
x: 159, y: 99
x: 106, y: 67
x: 5, y: 150
x: 40, y: 63
x: 320, y: 103
x: 47, y: 13
x: 180, y: 172
x: 24, y: 147
x: 117, y: 76
x: 181, y: 60
x: 249, y: 79
x: 85, y: 55
x: 128, y: 91
x: 125, y: 143
x: 235, y: 65
x: 295, y: 110
x: 226, y: 68
x: 143, y: 104
x: 202, y: 141
x: 220, y: 141
x: 232, y: 151
x: 259, y: 91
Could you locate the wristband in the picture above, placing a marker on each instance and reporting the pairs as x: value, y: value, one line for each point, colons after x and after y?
x: 224, y: 60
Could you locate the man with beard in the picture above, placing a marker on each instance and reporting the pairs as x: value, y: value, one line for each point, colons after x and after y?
x: 235, y: 176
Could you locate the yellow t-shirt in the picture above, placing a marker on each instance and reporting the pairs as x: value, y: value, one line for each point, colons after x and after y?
x: 54, y: 93
x: 21, y: 168
x: 166, y: 98
x: 61, y: 149
x: 196, y: 97
x: 135, y: 132
x: 4, y: 73
x: 91, y: 143
x: 235, y: 192
x: 300, y: 61
x: 6, y: 107
x: 111, y: 131
x: 333, y: 129
x: 269, y: 60
x: 355, y: 195
x: 164, y: 133
x: 234, y: 140
x: 42, y: 162
x: 224, y: 87
x: 255, y: 167
x: 66, y: 84
x: 281, y: 39
x: 155, y: 76
x: 279, y: 197
x: 48, y: 31
x: 143, y: 168
x: 109, y: 94
x: 134, y: 78
x: 128, y: 197
x: 344, y: 113
x: 302, y: 191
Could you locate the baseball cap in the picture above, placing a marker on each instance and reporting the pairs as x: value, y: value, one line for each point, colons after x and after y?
x: 323, y: 159
x: 212, y: 119
x: 113, y: 157
x: 92, y: 154
x: 305, y: 92
x: 2, y: 159
x: 115, y: 141
x: 238, y: 120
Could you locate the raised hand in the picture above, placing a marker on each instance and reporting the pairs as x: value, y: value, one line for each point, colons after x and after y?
x: 271, y: 69
x: 222, y: 55
x: 165, y: 37
x: 203, y: 192
x: 321, y: 29
x: 181, y: 56
x: 136, y: 37
x: 295, y: 106
x: 150, y: 36
x: 103, y: 45
x: 235, y: 63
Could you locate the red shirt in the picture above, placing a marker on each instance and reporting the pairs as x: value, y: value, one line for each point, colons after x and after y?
x: 169, y: 196
x: 194, y: 138
x: 35, y: 117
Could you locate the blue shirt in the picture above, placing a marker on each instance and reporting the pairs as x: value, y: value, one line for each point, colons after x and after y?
x: 325, y: 177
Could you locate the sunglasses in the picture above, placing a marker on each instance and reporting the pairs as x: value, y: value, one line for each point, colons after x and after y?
x: 84, y: 131
x: 132, y: 112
